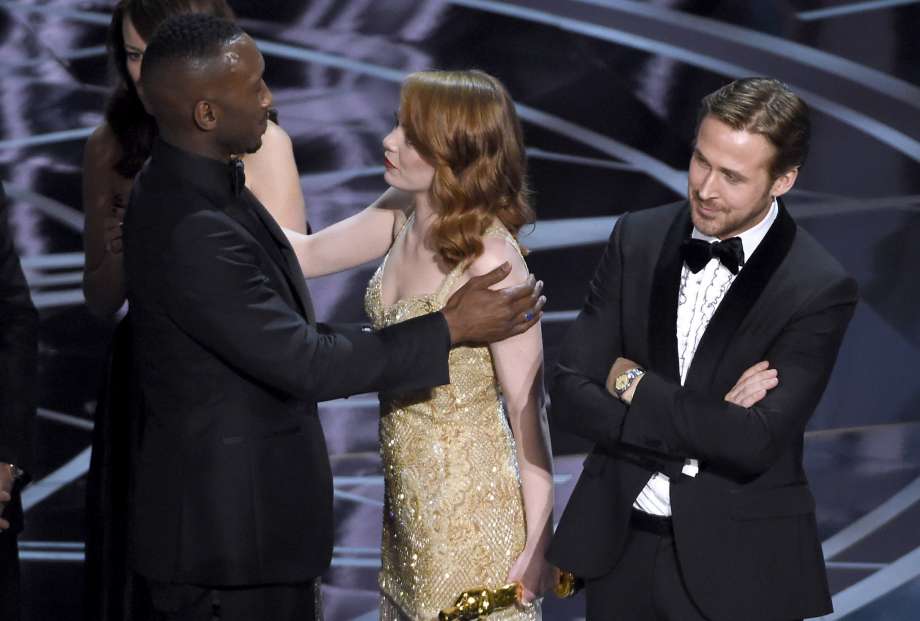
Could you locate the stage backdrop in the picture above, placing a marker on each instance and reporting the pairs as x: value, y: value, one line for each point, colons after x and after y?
x: 607, y: 90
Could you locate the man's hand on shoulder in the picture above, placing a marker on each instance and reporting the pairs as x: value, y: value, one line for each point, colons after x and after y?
x: 477, y: 314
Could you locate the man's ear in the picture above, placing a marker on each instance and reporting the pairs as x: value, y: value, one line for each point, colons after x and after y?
x: 206, y: 115
x: 784, y: 182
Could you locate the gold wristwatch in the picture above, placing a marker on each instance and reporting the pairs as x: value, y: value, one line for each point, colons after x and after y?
x: 624, y: 380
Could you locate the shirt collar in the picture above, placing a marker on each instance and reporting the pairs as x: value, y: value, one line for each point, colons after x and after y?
x: 220, y: 180
x: 752, y: 237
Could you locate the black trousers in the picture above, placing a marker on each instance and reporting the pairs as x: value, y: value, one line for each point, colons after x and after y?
x: 646, y: 584
x: 9, y: 578
x: 185, y: 602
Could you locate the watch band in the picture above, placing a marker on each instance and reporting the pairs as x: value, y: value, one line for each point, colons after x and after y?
x: 625, y: 380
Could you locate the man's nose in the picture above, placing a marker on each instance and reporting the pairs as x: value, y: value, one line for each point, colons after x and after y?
x: 707, y: 189
x: 267, y: 98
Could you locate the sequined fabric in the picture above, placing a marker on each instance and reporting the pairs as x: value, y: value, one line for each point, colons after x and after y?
x: 453, y: 517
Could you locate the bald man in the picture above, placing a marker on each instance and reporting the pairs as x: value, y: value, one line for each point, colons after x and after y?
x: 232, y: 508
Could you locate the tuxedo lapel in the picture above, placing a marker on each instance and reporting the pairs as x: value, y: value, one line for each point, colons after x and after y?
x: 291, y: 265
x: 252, y: 215
x: 662, y: 323
x: 740, y: 298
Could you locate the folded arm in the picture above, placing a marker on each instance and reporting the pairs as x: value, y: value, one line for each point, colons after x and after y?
x: 581, y: 403
x: 678, y: 421
x: 667, y: 419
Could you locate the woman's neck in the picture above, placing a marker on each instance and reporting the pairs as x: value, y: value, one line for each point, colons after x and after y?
x: 424, y: 215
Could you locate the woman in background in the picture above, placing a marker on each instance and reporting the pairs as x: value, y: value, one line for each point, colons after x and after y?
x: 118, y: 148
x: 114, y: 154
x: 467, y: 466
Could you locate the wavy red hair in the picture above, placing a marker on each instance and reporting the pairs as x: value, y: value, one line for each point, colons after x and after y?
x: 463, y: 123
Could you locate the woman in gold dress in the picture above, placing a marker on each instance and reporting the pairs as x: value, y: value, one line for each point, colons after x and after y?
x: 467, y: 466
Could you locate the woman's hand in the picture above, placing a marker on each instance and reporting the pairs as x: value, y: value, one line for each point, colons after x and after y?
x: 112, y: 230
x: 534, y: 574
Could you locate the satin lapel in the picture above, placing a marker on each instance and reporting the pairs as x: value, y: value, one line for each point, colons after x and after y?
x: 740, y: 298
x: 292, y: 266
x: 662, y: 325
x: 250, y: 213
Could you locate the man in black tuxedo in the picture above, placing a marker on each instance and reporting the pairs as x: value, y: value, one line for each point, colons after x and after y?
x: 232, y: 503
x: 18, y: 380
x: 706, y: 341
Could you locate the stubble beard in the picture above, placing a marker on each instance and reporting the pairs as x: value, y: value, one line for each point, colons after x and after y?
x: 723, y: 225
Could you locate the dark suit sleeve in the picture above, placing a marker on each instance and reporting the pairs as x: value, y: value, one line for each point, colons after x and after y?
x: 18, y: 353
x: 681, y: 422
x: 580, y: 401
x: 221, y: 298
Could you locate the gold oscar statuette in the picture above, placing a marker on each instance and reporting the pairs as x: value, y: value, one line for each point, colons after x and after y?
x: 566, y: 583
x: 482, y: 601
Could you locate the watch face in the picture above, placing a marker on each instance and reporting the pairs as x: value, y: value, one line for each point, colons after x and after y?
x: 622, y: 382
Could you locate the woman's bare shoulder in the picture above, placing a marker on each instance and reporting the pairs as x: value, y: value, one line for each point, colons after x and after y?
x: 275, y: 136
x: 102, y: 145
x: 276, y: 147
x: 497, y: 249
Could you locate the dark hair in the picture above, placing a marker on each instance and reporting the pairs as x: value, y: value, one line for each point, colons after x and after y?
x: 134, y: 129
x: 767, y: 107
x: 190, y: 37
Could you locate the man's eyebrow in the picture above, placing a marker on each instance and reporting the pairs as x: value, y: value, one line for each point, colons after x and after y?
x: 732, y: 173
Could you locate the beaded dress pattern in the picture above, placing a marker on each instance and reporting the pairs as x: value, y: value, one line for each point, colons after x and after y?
x: 453, y: 517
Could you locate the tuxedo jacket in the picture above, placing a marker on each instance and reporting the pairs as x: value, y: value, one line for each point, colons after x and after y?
x: 18, y: 364
x: 232, y: 480
x: 744, y: 527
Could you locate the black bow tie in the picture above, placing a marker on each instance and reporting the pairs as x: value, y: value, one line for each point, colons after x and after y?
x: 697, y: 253
x: 237, y: 176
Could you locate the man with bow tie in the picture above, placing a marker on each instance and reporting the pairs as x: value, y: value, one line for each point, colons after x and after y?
x: 708, y: 336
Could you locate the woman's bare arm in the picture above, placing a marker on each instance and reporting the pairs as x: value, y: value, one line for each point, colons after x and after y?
x: 271, y: 174
x: 365, y: 236
x: 105, y: 195
x: 519, y: 366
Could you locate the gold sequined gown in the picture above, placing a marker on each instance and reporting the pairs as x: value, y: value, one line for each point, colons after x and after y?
x: 453, y: 517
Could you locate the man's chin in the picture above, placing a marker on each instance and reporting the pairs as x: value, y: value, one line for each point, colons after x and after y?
x: 711, y: 227
x: 255, y: 147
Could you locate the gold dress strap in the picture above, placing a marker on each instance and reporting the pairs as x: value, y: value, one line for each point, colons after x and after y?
x: 402, y: 229
x: 450, y: 281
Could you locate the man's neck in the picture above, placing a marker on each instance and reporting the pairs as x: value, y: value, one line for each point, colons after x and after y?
x: 196, y: 146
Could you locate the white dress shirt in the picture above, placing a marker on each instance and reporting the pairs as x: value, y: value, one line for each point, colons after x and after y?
x: 699, y: 296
